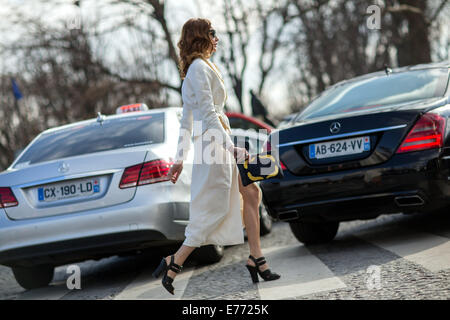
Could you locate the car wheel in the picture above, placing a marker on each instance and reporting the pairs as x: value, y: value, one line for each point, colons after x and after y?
x: 314, y: 233
x: 33, y: 277
x: 265, y: 221
x: 209, y: 254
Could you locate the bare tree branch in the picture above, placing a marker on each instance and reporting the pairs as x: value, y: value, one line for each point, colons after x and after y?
x: 152, y: 82
x: 404, y: 8
x: 437, y: 12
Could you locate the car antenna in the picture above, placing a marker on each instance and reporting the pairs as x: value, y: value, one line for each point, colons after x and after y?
x: 387, y: 69
x: 100, y: 118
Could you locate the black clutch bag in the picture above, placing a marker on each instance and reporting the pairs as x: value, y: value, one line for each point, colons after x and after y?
x: 259, y: 167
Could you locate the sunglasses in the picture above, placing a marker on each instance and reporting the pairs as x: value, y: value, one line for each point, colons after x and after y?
x: 212, y: 32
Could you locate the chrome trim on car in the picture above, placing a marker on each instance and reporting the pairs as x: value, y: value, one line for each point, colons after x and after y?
x: 414, y: 200
x: 343, y: 135
x: 62, y: 178
x: 288, y: 215
x: 335, y: 127
x: 182, y: 222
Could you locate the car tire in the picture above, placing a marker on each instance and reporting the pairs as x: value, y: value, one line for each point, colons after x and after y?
x: 209, y: 254
x: 33, y: 277
x: 265, y: 221
x: 314, y: 233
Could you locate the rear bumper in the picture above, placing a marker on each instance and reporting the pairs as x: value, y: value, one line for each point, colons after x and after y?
x: 142, y: 222
x: 73, y: 250
x: 406, y: 183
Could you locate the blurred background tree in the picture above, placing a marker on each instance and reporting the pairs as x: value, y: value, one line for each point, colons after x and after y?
x: 96, y: 55
x: 335, y: 42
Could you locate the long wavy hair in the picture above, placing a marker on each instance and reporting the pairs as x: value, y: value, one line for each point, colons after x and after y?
x: 195, y: 42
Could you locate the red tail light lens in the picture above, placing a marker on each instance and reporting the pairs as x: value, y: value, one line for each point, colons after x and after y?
x: 154, y: 171
x: 7, y: 198
x: 145, y: 173
x: 130, y: 177
x: 427, y: 133
x: 268, y: 147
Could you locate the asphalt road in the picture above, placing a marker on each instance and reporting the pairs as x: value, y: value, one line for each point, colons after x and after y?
x: 392, y: 257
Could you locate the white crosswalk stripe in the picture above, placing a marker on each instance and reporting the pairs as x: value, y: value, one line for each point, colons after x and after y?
x: 428, y: 250
x: 301, y: 272
x: 145, y: 287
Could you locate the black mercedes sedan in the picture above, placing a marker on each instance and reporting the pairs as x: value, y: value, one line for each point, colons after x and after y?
x: 375, y: 144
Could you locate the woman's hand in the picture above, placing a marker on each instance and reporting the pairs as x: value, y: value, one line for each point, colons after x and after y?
x: 240, y: 154
x: 175, y: 171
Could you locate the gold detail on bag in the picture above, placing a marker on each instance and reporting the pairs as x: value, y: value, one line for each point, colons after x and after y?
x: 253, y: 178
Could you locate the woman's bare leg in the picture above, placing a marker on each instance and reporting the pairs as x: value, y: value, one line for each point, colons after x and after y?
x: 180, y: 257
x: 252, y: 199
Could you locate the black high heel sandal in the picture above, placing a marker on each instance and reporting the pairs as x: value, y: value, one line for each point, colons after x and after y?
x: 163, y: 267
x: 267, y: 275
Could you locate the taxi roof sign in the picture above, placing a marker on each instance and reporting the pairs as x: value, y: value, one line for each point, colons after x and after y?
x: 131, y: 108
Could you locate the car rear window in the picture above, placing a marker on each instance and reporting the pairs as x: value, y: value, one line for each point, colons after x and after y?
x: 377, y: 92
x: 94, y: 137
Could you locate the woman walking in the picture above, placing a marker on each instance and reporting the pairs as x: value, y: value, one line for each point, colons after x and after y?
x: 215, y: 213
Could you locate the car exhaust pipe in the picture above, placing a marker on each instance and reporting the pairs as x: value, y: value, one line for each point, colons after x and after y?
x: 409, y: 201
x: 288, y: 215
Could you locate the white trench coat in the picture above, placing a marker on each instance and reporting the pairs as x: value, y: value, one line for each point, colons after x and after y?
x: 215, y: 207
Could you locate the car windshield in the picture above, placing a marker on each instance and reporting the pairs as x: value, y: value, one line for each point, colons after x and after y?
x: 93, y: 137
x: 377, y: 92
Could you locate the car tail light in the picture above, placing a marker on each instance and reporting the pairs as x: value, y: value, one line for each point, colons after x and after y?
x: 145, y: 173
x: 154, y: 171
x: 267, y: 147
x: 427, y: 133
x: 7, y: 198
x: 130, y: 176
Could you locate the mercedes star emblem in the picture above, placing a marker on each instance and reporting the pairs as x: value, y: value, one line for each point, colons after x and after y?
x: 335, y: 127
x: 63, y: 167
